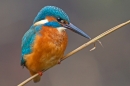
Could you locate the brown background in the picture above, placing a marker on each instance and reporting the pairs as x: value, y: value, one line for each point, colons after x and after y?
x: 108, y: 66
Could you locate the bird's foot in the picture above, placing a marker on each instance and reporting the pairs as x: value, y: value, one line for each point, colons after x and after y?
x: 40, y: 73
x: 59, y: 61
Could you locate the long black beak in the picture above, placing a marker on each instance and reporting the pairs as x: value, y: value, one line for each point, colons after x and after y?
x: 76, y: 30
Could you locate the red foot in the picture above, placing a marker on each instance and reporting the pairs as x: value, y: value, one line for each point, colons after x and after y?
x: 40, y: 73
x: 59, y: 61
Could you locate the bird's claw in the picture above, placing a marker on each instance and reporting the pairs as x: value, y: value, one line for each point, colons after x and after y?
x: 59, y: 61
x: 40, y: 73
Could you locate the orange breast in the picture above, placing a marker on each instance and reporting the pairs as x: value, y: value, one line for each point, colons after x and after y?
x: 48, y: 49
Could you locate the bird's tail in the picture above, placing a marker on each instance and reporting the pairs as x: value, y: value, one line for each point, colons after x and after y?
x: 37, y: 78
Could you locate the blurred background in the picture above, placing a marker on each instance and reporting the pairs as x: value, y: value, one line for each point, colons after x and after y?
x: 108, y: 66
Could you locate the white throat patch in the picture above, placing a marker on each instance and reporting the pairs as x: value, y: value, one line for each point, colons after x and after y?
x: 61, y: 29
x: 41, y: 22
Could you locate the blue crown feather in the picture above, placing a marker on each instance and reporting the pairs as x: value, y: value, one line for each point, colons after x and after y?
x: 51, y: 11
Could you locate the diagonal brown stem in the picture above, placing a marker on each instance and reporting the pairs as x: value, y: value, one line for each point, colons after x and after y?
x: 81, y: 47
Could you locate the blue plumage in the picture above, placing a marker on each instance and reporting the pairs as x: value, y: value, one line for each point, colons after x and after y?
x: 51, y: 11
x: 27, y: 41
x: 52, y: 24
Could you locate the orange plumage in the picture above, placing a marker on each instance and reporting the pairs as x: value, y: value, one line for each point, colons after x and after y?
x: 48, y: 49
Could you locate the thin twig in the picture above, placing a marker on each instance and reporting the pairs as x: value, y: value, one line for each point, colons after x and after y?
x: 81, y: 47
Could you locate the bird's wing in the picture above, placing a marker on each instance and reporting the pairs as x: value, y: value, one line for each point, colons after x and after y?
x: 27, y: 42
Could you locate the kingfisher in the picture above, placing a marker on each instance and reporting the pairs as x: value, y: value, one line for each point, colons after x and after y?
x: 43, y: 45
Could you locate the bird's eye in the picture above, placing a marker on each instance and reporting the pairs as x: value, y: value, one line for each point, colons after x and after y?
x: 60, y: 20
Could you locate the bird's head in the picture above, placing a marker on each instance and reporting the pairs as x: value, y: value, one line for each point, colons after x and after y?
x: 55, y: 17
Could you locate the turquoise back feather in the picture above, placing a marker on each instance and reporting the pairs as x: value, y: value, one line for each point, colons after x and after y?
x: 28, y: 40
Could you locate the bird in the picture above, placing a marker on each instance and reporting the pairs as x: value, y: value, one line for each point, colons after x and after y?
x: 44, y: 44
